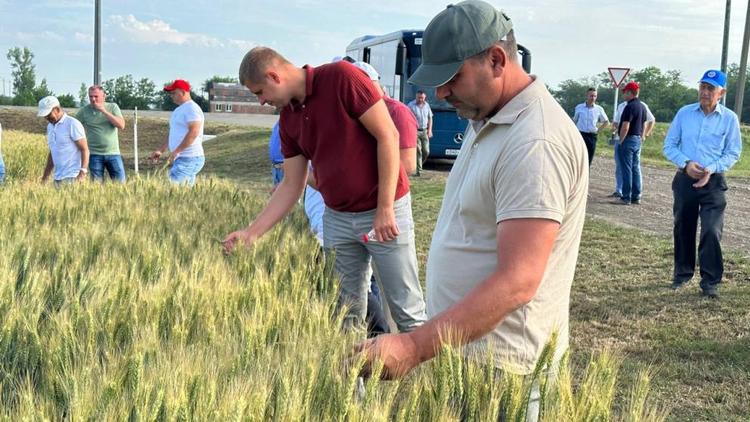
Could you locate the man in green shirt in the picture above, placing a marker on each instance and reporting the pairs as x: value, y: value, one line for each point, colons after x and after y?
x: 101, y: 121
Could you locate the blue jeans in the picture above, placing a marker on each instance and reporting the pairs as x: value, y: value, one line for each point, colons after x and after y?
x: 112, y: 163
x: 2, y: 169
x: 618, y: 170
x: 630, y: 166
x: 277, y: 174
x: 184, y: 169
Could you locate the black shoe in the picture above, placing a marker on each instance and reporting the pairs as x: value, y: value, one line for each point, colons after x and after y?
x: 676, y: 285
x: 710, y: 293
x: 614, y: 195
x: 636, y: 201
x: 620, y: 202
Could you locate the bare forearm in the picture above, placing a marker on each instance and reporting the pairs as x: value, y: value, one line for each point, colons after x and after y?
x: 48, y: 168
x: 408, y: 159
x: 282, y: 200
x: 388, y: 169
x: 475, y: 315
x: 115, y: 121
x: 188, y: 140
x: 624, y: 131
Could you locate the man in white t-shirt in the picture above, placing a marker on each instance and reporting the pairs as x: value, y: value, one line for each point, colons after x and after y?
x: 185, y: 141
x: 68, y: 149
x: 505, y: 246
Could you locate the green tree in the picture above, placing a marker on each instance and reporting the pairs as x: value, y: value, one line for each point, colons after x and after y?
x: 24, y: 75
x: 67, y: 100
x: 664, y: 92
x: 42, y: 91
x: 83, y: 95
x: 222, y: 79
x: 165, y: 102
x: 129, y: 93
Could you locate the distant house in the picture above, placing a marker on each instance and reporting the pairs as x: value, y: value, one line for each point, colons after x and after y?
x: 234, y: 98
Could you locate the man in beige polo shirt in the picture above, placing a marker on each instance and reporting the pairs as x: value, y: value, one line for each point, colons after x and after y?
x: 505, y: 246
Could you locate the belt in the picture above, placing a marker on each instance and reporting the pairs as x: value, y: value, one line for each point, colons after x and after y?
x: 278, y: 165
x: 421, y: 130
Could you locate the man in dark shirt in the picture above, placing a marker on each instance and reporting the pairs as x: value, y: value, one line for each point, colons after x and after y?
x: 629, y: 149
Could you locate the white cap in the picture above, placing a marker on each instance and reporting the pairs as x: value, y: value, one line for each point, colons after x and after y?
x: 336, y: 59
x: 367, y: 67
x: 46, y: 105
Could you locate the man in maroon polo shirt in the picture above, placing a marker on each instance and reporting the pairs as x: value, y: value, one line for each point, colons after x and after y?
x: 333, y: 116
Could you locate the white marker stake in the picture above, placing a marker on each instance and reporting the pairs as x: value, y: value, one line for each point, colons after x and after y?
x: 135, y: 140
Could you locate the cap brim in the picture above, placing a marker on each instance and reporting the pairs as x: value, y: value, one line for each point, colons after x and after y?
x: 169, y: 88
x: 711, y: 82
x: 434, y: 75
x: 44, y: 113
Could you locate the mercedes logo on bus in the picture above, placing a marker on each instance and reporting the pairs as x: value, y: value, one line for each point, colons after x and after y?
x: 458, y: 138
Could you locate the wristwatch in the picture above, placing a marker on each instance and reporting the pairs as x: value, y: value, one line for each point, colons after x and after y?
x: 84, y: 170
x: 685, y: 164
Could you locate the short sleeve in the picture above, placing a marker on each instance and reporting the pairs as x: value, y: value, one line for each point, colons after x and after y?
x: 406, y: 125
x: 356, y: 90
x: 115, y: 110
x: 76, y: 131
x: 541, y: 179
x: 193, y: 114
x: 289, y: 146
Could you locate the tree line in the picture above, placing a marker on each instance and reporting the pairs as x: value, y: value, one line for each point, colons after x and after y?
x: 125, y: 90
x: 663, y: 91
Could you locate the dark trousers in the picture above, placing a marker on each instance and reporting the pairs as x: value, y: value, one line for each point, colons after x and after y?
x: 590, y: 140
x: 690, y: 204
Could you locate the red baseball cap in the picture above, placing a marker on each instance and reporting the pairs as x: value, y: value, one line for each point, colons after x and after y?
x: 178, y: 84
x: 631, y: 86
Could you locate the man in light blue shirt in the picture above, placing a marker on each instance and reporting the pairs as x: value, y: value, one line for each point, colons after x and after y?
x: 703, y: 142
x: 276, y: 157
x: 589, y: 117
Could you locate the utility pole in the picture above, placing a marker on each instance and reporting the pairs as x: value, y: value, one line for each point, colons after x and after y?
x: 97, y: 42
x: 743, y: 66
x: 725, y: 44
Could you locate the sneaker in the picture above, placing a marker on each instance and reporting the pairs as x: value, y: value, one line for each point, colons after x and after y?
x: 636, y: 201
x: 620, y: 202
x: 614, y: 195
x: 676, y: 285
x: 710, y: 293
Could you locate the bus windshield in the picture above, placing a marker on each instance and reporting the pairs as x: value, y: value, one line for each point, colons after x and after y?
x: 410, y: 91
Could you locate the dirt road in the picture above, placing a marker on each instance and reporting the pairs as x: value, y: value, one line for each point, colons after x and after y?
x: 655, y: 212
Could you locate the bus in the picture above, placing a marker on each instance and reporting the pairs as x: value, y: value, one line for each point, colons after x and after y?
x: 396, y: 56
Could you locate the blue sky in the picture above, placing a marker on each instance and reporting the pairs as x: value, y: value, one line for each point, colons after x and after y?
x: 196, y: 39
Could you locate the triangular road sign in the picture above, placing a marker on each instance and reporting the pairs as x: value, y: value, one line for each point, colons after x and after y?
x: 618, y: 74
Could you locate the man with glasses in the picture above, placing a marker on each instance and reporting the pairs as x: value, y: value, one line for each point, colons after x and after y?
x: 704, y: 143
x: 68, y: 149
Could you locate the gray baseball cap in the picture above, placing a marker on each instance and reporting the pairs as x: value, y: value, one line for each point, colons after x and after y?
x: 455, y: 34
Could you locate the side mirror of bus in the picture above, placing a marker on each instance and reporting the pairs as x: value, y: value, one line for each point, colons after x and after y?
x: 525, y: 54
x: 400, y: 58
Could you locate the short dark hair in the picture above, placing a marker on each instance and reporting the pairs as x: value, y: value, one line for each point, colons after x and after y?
x: 255, y: 63
x: 421, y: 92
x: 591, y: 89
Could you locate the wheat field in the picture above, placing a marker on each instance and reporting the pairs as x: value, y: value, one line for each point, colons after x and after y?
x: 117, y: 303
